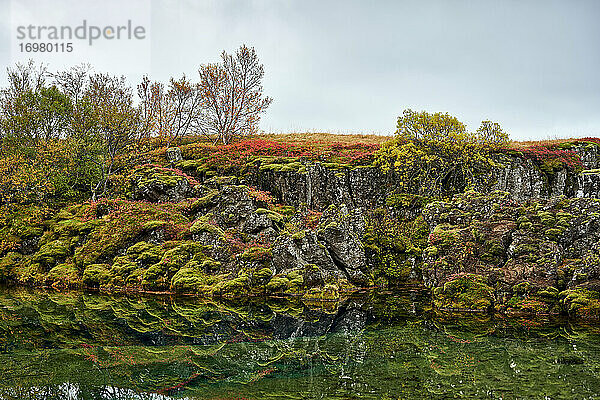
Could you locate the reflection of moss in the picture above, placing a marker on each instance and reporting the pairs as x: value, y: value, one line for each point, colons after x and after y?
x: 581, y: 302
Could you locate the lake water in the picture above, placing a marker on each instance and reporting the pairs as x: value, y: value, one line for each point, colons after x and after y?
x: 74, y: 345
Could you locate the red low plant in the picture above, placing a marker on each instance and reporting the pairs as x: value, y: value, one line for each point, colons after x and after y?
x: 240, y: 153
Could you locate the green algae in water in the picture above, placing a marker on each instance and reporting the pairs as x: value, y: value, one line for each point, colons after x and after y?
x: 77, y: 345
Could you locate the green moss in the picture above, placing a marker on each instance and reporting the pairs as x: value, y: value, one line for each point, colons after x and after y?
x: 237, y: 287
x: 150, y: 255
x: 29, y: 274
x: 444, y: 236
x: 272, y: 215
x: 395, y: 269
x: 553, y: 233
x: 581, y: 302
x: 189, y: 164
x: 205, y: 201
x: 149, y: 175
x: 135, y: 277
x: 494, y: 251
x: 121, y: 269
x: 298, y: 235
x: 210, y: 265
x: 257, y: 254
x: 286, y: 211
x: 522, y: 288
x: 278, y: 284
x: 547, y: 218
x: 206, y: 224
x: 283, y: 166
x: 328, y: 292
x: 158, y: 276
x: 65, y: 274
x: 591, y: 171
x: 122, y: 223
x: 468, y: 292
x: 430, y: 251
x: 135, y: 250
x: 549, y: 293
x: 51, y: 253
x: 526, y: 226
x: 153, y: 225
x: 262, y: 276
x: 8, y: 263
x: 525, y: 248
x: 192, y: 279
x: 96, y: 275
x: 394, y: 246
x: 296, y: 280
x: 407, y: 200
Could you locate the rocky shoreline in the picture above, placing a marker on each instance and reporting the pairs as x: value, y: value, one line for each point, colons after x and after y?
x: 524, y: 240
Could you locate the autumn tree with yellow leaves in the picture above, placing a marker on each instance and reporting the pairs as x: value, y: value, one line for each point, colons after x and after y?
x: 433, y: 154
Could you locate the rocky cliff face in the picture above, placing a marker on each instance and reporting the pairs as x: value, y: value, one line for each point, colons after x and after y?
x: 524, y: 180
x: 318, y: 186
x: 526, y: 240
x: 529, y: 244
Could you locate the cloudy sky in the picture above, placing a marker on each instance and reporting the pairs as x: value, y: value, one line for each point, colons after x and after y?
x: 353, y: 66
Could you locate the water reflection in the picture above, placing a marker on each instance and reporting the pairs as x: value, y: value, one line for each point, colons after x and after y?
x: 89, y: 346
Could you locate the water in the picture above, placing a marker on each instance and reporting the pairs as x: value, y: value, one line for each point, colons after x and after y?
x: 78, y: 345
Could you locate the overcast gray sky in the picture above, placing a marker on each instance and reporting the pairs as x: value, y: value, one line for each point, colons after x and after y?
x: 353, y: 66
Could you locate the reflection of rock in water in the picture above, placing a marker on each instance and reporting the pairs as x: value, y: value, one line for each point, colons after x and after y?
x: 74, y: 346
x: 159, y: 321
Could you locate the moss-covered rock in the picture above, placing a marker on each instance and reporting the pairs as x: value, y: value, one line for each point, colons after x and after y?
x: 193, y: 279
x: 207, y: 224
x: 64, y: 275
x: 278, y: 284
x: 329, y: 292
x: 51, y: 253
x: 467, y: 292
x: 237, y: 287
x: 96, y: 275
